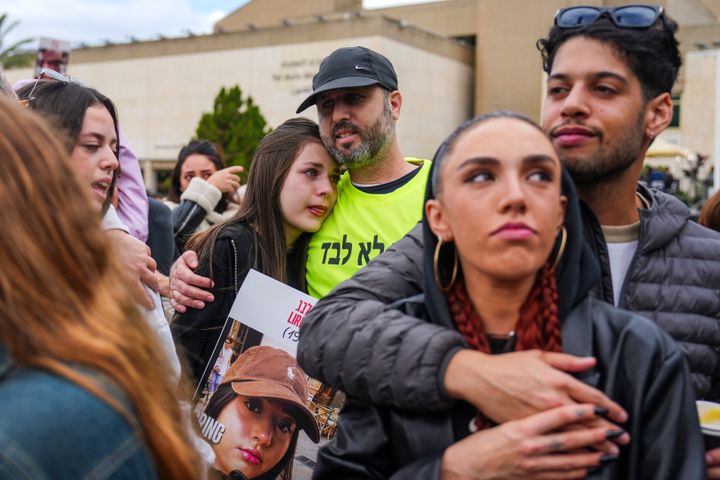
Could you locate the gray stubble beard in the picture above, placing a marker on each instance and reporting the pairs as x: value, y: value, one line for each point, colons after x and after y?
x: 374, y: 141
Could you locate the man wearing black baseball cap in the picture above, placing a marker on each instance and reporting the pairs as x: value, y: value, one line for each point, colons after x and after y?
x: 351, y: 67
x: 381, y: 197
x: 358, y: 102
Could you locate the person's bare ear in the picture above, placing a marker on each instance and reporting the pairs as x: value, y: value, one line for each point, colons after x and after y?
x: 395, y: 100
x: 436, y: 220
x: 658, y: 115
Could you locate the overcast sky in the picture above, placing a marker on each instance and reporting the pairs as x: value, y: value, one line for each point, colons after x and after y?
x: 94, y: 21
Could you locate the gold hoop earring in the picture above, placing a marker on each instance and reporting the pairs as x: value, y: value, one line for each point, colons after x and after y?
x: 436, y: 258
x: 561, y: 250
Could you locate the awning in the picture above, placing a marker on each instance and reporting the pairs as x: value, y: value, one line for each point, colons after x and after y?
x: 663, y: 148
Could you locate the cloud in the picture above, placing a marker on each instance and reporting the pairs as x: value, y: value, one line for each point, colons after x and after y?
x: 92, y: 22
x: 216, y: 15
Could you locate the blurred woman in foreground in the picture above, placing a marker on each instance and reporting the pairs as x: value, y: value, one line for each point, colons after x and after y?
x: 82, y: 379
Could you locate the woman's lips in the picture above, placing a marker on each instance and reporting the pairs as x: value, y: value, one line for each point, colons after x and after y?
x: 100, y: 188
x: 317, y: 210
x: 514, y: 231
x: 251, y: 456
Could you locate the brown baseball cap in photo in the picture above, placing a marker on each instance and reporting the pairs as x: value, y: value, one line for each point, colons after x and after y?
x: 351, y: 67
x: 269, y: 372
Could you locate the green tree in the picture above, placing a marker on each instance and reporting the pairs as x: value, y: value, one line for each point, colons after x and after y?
x: 14, y: 55
x: 236, y: 125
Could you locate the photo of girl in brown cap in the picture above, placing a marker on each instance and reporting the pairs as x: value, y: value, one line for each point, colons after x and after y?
x: 259, y: 408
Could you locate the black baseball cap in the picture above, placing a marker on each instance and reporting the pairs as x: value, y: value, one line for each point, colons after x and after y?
x: 351, y: 67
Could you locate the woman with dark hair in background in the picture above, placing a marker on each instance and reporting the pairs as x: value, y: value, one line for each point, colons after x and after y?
x: 291, y: 189
x: 261, y: 403
x: 83, y: 382
x: 202, y: 191
x: 505, y: 270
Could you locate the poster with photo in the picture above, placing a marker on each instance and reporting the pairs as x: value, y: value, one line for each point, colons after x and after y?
x: 253, y: 376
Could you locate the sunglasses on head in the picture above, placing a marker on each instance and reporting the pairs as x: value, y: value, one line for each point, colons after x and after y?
x: 49, y: 74
x: 626, y: 16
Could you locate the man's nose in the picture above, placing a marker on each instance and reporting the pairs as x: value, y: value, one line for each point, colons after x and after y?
x: 575, y: 103
x: 340, y: 112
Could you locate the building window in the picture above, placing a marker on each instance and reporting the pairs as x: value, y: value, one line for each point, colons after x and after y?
x: 466, y: 39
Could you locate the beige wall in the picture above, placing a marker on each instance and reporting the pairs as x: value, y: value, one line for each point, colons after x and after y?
x: 509, y: 73
x: 268, y: 13
x: 697, y: 116
x: 160, y: 99
x: 451, y: 18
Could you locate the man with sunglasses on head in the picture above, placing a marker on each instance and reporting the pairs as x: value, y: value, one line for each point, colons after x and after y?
x: 610, y: 75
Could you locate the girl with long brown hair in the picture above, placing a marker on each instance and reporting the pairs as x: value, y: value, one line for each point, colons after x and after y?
x: 291, y: 189
x: 83, y: 382
x: 87, y: 122
x: 506, y: 269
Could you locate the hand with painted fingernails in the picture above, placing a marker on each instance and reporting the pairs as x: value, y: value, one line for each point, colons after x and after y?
x: 538, y: 447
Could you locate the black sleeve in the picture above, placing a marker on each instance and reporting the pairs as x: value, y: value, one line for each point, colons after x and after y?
x: 186, y: 218
x: 713, y: 395
x: 350, y: 340
x: 160, y: 235
x: 361, y: 446
x: 197, y: 331
x: 672, y: 446
x: 362, y: 449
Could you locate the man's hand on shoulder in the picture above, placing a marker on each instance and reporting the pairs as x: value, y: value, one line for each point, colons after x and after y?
x: 186, y: 288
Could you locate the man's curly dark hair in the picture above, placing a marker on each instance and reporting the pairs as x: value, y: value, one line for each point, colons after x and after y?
x: 652, y: 53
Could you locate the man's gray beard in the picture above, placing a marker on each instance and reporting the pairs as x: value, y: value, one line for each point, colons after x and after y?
x: 606, y: 166
x: 374, y: 142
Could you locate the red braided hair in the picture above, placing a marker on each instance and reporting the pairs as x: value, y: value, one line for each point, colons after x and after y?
x: 538, y: 325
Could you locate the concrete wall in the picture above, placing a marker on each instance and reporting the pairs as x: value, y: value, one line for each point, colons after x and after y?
x: 509, y: 74
x: 450, y: 18
x: 697, y: 116
x: 268, y: 13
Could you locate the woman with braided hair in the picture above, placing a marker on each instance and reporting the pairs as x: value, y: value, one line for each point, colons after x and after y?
x: 505, y: 268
